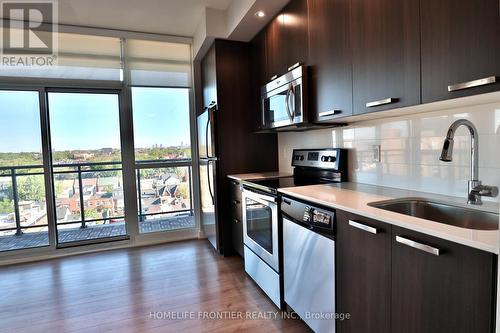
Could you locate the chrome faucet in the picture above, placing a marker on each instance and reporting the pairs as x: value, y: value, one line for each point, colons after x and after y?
x: 475, y: 189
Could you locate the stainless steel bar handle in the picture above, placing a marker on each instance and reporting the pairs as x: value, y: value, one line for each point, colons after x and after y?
x: 209, y: 182
x: 363, y: 227
x: 252, y: 195
x: 419, y: 246
x: 381, y: 102
x: 329, y: 113
x: 297, y: 64
x: 291, y: 115
x: 473, y: 83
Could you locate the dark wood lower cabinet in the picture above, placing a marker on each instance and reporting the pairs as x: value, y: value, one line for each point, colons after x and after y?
x: 363, y: 274
x: 236, y: 218
x: 453, y: 292
x: 390, y: 279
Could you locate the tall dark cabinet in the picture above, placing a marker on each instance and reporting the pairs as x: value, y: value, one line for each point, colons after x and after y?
x: 226, y: 77
x: 460, y: 44
x: 385, y: 54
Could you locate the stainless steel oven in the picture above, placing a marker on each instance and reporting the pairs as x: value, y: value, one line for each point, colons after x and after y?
x: 260, y: 226
x: 284, y: 100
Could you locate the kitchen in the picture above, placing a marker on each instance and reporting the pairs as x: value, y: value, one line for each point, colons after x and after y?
x: 344, y: 173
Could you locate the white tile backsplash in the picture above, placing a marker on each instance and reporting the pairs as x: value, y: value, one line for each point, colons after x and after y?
x: 410, y: 148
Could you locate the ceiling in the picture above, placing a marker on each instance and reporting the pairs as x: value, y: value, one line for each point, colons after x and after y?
x: 203, y: 20
x: 172, y: 17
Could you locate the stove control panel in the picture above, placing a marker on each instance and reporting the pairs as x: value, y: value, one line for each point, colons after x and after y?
x: 328, y: 158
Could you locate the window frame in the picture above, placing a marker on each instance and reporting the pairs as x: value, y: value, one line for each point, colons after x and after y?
x: 133, y: 238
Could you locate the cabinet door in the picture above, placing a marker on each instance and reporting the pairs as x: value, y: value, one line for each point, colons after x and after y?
x: 330, y: 59
x: 452, y: 292
x: 295, y: 25
x: 363, y: 274
x: 274, y: 47
x: 287, y: 38
x: 386, y: 54
x: 209, y: 78
x: 460, y: 44
x: 259, y: 60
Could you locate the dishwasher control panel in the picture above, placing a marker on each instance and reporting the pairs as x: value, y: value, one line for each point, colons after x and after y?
x: 318, y: 217
x: 315, y: 218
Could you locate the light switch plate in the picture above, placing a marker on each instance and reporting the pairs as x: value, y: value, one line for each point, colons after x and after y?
x: 376, y: 153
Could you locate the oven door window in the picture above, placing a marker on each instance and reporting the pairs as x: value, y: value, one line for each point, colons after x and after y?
x: 259, y: 221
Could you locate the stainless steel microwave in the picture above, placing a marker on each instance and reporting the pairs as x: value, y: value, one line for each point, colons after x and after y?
x: 284, y: 100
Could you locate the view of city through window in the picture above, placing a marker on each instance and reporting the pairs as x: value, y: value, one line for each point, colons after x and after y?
x: 23, y: 207
x: 87, y: 164
x: 162, y: 135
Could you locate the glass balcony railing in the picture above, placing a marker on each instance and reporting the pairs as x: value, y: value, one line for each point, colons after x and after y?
x: 91, y: 195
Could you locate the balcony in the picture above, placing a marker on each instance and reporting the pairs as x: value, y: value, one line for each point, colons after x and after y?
x: 89, y: 203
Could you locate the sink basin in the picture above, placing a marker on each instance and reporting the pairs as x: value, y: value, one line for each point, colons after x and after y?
x: 441, y: 212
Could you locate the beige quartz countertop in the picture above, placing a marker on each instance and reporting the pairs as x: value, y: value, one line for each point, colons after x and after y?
x: 354, y: 198
x: 259, y: 175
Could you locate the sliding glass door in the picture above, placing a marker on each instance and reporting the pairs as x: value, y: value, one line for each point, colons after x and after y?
x: 86, y: 165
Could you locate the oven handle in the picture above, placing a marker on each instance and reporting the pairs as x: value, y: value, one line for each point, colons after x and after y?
x: 255, y: 195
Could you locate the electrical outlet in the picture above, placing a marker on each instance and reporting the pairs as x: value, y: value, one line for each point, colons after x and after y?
x: 376, y: 154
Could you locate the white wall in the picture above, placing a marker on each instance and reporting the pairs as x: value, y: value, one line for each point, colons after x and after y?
x: 410, y: 148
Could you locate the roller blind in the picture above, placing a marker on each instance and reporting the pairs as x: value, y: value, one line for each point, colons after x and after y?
x: 79, y: 56
x: 152, y: 63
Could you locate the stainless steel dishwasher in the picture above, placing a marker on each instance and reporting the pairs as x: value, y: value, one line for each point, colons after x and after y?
x: 309, y: 263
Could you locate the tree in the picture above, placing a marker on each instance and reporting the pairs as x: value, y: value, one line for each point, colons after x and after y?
x: 59, y: 188
x: 108, y: 189
x: 6, y: 206
x: 91, y: 214
x: 183, y: 191
x: 31, y: 188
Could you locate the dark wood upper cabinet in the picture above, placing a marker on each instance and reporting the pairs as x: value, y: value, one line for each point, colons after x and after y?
x: 329, y: 59
x: 363, y: 274
x: 385, y: 53
x: 452, y: 292
x: 460, y: 43
x: 209, y: 78
x: 259, y: 60
x: 274, y: 47
x: 287, y: 38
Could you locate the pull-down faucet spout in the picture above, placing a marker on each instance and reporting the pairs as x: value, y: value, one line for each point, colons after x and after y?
x: 475, y: 189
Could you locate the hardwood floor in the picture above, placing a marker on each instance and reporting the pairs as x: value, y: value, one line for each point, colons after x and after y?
x: 135, y: 290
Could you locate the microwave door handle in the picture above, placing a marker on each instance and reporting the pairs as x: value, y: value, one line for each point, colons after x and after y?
x: 287, y: 105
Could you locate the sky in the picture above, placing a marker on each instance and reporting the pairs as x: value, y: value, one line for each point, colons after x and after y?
x: 91, y: 121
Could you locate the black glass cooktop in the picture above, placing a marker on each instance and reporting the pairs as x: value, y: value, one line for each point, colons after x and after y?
x: 284, y: 182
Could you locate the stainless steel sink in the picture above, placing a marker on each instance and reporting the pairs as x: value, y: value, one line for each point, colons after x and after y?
x: 441, y: 212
